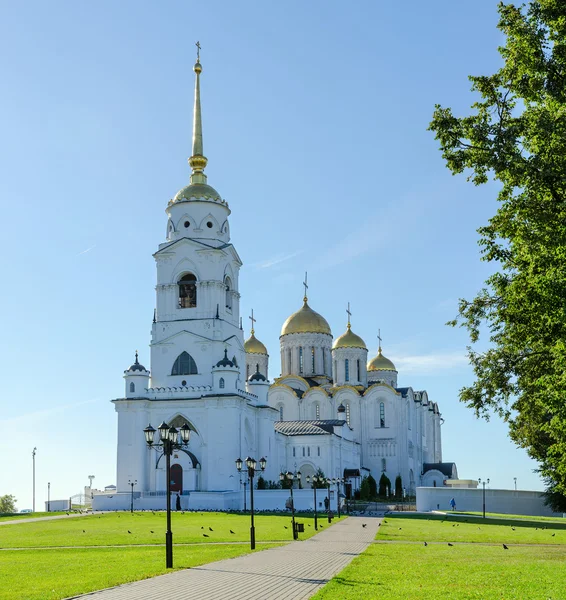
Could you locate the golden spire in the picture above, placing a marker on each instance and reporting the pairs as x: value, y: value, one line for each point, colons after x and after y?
x: 198, y: 160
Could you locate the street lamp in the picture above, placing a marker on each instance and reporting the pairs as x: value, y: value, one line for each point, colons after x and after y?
x: 48, y: 496
x: 132, y: 483
x: 314, y: 480
x: 251, y: 465
x: 33, y: 459
x: 328, y: 482
x: 168, y: 443
x: 338, y: 481
x: 483, y: 483
x: 291, y: 477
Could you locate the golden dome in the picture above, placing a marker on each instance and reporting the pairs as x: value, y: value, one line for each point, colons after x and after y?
x: 196, y: 191
x: 380, y: 363
x: 349, y: 340
x: 305, y: 320
x: 253, y: 346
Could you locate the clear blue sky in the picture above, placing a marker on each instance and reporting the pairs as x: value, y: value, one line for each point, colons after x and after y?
x: 315, y: 122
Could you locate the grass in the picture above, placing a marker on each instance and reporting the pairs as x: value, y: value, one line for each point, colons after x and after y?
x: 556, y: 519
x: 17, y: 516
x: 476, y: 566
x: 56, y: 574
x: 113, y: 528
x: 65, y: 557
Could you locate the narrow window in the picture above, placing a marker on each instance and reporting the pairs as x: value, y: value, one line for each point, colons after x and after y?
x: 383, y: 465
x: 382, y: 415
x: 247, y: 371
x: 301, y: 360
x: 280, y: 412
x: 359, y: 373
x: 347, y: 368
x: 335, y: 370
x: 187, y: 291
x: 309, y: 451
x: 313, y: 371
x: 289, y: 363
x: 132, y: 387
x: 318, y: 449
x: 184, y: 365
x: 228, y: 286
x: 303, y: 451
x: 348, y: 413
x: 434, y: 483
x: 294, y: 452
x: 317, y: 411
x: 323, y: 361
x: 221, y: 383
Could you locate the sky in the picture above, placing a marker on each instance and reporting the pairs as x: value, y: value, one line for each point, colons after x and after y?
x: 315, y: 119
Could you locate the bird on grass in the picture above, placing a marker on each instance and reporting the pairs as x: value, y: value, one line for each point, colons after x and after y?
x: 210, y: 529
x: 364, y: 524
x: 513, y: 528
x: 84, y: 531
x: 385, y: 521
x: 232, y: 531
x: 202, y: 527
x: 450, y: 544
x: 150, y: 531
x: 204, y: 535
x: 285, y: 526
x: 553, y: 534
x: 425, y: 544
x: 400, y: 528
x: 129, y: 531
x: 505, y: 547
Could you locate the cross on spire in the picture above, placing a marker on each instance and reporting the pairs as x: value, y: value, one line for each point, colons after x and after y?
x: 136, y: 357
x: 253, y: 321
x: 198, y: 51
x: 306, y: 287
x: 349, y: 314
x: 379, y: 338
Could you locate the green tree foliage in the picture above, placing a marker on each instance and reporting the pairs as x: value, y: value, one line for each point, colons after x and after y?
x: 261, y: 483
x: 7, y: 504
x: 384, y: 485
x: 516, y: 135
x: 321, y: 479
x: 365, y: 489
x: 398, y: 487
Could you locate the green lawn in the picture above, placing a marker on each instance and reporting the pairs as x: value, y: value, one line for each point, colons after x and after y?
x: 476, y: 566
x: 113, y: 529
x: 557, y: 519
x: 47, y: 569
x: 56, y: 574
x: 15, y: 516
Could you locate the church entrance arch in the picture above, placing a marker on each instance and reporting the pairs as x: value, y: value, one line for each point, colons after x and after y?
x: 176, y: 478
x: 306, y: 469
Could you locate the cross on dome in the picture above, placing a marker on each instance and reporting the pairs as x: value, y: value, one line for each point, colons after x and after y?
x: 379, y: 338
x: 349, y: 315
x: 253, y: 321
x: 198, y: 51
x: 306, y: 287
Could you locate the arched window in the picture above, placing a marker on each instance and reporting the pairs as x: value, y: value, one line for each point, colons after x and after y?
x: 221, y: 383
x: 289, y: 363
x: 184, y: 365
x: 313, y: 370
x: 359, y: 373
x: 382, y: 414
x: 347, y: 370
x: 348, y: 413
x: 187, y: 291
x: 132, y: 387
x: 301, y: 361
x: 317, y: 411
x: 323, y: 362
x: 280, y: 412
x: 228, y: 284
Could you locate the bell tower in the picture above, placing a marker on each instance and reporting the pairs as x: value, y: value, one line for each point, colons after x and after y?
x: 197, y: 313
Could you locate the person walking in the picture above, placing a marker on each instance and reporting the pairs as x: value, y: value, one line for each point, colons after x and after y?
x: 453, y: 504
x: 178, y: 502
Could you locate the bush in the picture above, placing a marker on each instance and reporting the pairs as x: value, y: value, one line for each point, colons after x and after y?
x: 398, y: 487
x: 384, y: 485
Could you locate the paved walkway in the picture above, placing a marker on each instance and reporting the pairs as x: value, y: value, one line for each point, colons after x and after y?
x: 292, y: 572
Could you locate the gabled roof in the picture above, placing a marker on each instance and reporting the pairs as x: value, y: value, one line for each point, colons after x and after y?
x: 325, y: 427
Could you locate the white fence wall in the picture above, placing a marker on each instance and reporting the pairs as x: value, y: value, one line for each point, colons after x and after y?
x: 221, y: 501
x: 514, y: 502
x: 57, y: 505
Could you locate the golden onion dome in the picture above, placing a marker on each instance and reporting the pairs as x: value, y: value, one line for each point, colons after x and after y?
x: 306, y: 320
x: 253, y: 346
x: 349, y: 340
x: 196, y: 191
x: 380, y: 363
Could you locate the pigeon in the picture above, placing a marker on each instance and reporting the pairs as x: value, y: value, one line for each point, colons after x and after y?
x: 454, y: 525
x: 513, y: 528
x: 400, y: 528
x: 210, y: 529
x: 425, y: 544
x: 231, y: 531
x: 288, y: 528
x: 204, y: 535
x: 150, y: 531
x: 129, y: 531
x: 202, y: 527
x: 553, y: 534
x: 364, y: 524
x: 84, y: 531
x: 385, y: 521
x: 450, y: 544
x: 505, y: 547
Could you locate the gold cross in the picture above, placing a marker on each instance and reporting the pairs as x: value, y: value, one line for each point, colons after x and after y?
x: 306, y: 287
x: 252, y: 320
x: 349, y: 314
x: 198, y: 51
x: 379, y: 338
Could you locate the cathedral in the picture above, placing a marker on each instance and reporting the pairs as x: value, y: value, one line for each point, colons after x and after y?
x: 332, y: 408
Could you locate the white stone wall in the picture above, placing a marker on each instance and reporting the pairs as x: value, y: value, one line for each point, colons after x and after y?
x: 290, y: 354
x: 354, y: 356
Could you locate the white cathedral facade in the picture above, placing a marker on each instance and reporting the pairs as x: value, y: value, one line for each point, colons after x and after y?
x: 330, y: 409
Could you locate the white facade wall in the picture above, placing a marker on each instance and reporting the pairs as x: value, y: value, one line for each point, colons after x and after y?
x: 290, y: 354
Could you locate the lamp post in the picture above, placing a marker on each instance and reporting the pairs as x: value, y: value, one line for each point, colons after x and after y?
x: 33, y: 459
x: 483, y: 483
x: 291, y: 477
x: 251, y: 465
x: 338, y: 481
x: 244, y: 483
x: 314, y: 480
x: 132, y: 483
x: 328, y: 482
x: 48, y: 496
x: 168, y: 442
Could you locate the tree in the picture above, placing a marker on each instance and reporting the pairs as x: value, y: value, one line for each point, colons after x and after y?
x: 7, y: 504
x: 398, y: 487
x: 364, y: 489
x: 384, y: 485
x: 517, y: 137
x: 321, y: 479
x: 261, y: 483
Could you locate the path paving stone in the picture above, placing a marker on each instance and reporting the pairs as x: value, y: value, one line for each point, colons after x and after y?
x: 292, y: 572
